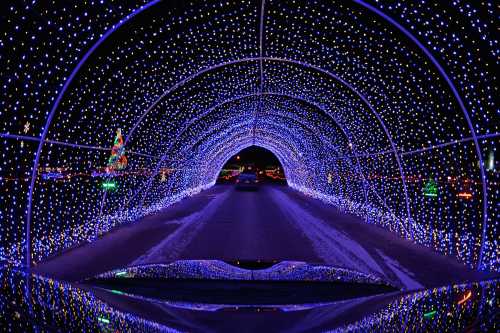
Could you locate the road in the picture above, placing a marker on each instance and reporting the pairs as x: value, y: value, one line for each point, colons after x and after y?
x: 273, y: 223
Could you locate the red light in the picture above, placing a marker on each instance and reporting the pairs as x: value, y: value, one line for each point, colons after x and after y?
x: 466, y: 298
x: 465, y: 195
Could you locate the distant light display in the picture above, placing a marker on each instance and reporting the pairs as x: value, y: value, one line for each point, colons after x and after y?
x: 361, y: 101
x: 109, y: 185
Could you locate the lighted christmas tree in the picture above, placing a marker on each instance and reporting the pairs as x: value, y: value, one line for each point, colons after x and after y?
x: 117, y: 160
x: 430, y: 188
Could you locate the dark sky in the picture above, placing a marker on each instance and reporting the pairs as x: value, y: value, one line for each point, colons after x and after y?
x: 258, y: 156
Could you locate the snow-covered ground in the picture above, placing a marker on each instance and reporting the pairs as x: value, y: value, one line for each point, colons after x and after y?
x: 336, y: 248
x: 170, y: 247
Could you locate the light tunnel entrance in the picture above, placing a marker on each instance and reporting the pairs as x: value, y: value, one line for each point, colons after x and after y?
x: 255, y: 161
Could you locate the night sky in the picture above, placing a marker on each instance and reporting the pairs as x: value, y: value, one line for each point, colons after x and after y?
x: 260, y: 157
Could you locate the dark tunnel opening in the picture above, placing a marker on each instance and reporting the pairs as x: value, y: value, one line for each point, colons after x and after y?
x: 254, y: 159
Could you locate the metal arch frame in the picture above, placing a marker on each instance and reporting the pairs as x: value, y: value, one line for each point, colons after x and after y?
x: 274, y: 147
x: 52, y: 112
x: 235, y: 99
x: 261, y: 66
x: 251, y: 59
x: 299, y: 63
x: 211, y: 109
x: 276, y: 114
x: 154, y: 2
x: 451, y: 85
x: 305, y: 127
x: 306, y: 65
x: 291, y: 147
x: 314, y: 104
x: 225, y: 154
x: 240, y: 98
x: 211, y: 138
x: 248, y: 138
x: 283, y: 161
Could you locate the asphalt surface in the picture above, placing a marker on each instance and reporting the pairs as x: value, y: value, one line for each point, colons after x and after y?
x: 274, y: 223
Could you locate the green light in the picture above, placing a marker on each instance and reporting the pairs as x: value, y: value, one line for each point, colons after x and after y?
x: 430, y: 314
x: 116, y: 292
x: 121, y: 273
x: 103, y: 320
x: 430, y: 189
x: 109, y: 185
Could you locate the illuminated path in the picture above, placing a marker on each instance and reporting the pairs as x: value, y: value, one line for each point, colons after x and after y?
x: 274, y: 223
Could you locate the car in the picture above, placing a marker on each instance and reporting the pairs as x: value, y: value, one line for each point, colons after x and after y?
x: 247, y: 180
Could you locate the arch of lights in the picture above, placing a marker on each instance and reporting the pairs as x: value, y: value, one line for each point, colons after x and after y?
x: 384, y: 109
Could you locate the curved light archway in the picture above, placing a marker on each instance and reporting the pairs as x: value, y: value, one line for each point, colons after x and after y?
x: 354, y: 90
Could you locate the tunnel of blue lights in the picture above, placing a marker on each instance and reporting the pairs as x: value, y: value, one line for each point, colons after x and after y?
x: 384, y: 109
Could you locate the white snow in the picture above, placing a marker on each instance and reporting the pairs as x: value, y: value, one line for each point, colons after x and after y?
x: 330, y: 244
x: 404, y: 275
x: 170, y: 248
